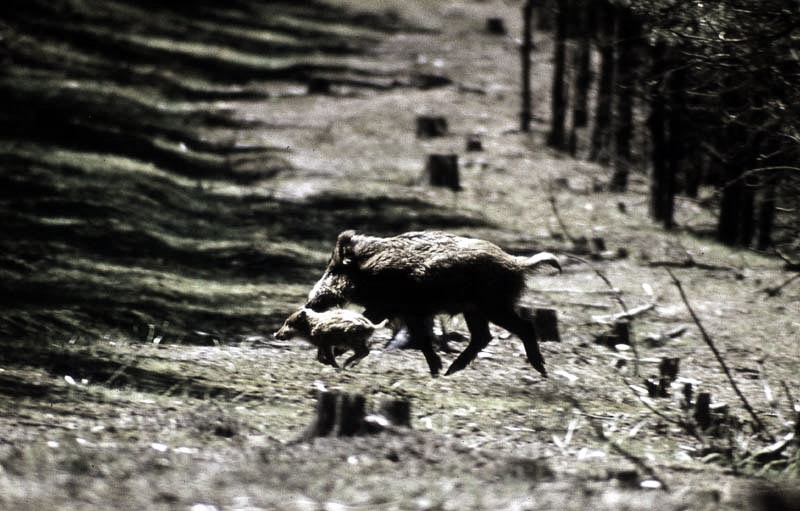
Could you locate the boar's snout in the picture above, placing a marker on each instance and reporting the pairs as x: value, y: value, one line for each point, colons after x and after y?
x: 327, y: 293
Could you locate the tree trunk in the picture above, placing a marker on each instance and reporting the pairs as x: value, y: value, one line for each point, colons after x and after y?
x: 627, y: 43
x: 556, y: 137
x: 525, y: 55
x: 766, y: 211
x: 582, y: 76
x: 676, y: 128
x: 662, y: 183
x: 600, y: 151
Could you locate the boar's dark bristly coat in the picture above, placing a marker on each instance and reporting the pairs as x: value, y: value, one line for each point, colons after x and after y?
x: 418, y: 274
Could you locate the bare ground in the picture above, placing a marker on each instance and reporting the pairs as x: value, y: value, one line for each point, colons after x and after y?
x: 115, y: 422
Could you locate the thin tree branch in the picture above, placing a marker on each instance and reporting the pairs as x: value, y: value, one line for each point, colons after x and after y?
x: 710, y: 343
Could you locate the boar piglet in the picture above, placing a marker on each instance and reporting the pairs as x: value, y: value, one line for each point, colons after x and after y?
x: 335, y: 329
x: 418, y: 274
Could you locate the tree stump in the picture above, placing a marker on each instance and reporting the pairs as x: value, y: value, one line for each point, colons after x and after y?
x: 496, y: 26
x: 702, y: 410
x: 620, y: 334
x: 657, y: 387
x: 622, y: 330
x: 474, y: 143
x: 442, y: 170
x: 342, y: 415
x: 431, y: 126
x: 668, y: 368
x: 545, y: 321
x: 688, y: 391
x: 397, y: 412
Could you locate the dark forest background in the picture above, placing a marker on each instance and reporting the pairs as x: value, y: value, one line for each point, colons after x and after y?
x: 703, y: 94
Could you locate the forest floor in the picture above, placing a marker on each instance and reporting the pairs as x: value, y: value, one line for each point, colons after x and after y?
x: 146, y: 376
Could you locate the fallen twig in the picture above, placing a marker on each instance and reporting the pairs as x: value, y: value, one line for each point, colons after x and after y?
x: 776, y: 290
x: 611, y: 318
x: 621, y: 303
x: 789, y: 264
x: 710, y: 343
x: 689, y: 262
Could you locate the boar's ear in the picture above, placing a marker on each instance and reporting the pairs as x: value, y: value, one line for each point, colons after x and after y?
x: 343, y: 253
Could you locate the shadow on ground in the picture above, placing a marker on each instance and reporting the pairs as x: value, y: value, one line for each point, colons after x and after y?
x: 128, y: 205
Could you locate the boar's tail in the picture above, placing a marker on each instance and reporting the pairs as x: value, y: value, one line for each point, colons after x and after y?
x: 543, y: 258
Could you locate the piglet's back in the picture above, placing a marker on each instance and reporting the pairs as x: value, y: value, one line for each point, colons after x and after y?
x: 342, y: 321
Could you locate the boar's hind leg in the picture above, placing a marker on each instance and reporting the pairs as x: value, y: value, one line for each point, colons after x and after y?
x: 422, y: 337
x: 523, y: 329
x: 479, y: 339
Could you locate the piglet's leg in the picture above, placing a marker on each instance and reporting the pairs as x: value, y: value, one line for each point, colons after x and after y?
x: 422, y: 337
x: 361, y: 351
x: 325, y: 355
x: 479, y: 339
x: 523, y: 329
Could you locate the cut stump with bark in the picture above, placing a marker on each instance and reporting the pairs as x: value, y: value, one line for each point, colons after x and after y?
x: 474, y: 143
x: 431, y: 126
x: 341, y: 414
x: 496, y: 26
x: 442, y: 170
x: 545, y: 322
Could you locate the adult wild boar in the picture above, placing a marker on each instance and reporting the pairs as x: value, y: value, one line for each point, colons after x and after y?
x: 418, y: 274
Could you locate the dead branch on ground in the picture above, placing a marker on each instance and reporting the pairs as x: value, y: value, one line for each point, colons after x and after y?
x: 776, y: 290
x: 621, y: 303
x: 608, y: 319
x: 690, y: 262
x: 710, y: 343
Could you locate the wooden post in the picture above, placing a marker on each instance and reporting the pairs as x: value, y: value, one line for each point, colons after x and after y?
x: 431, y: 126
x: 442, y: 170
